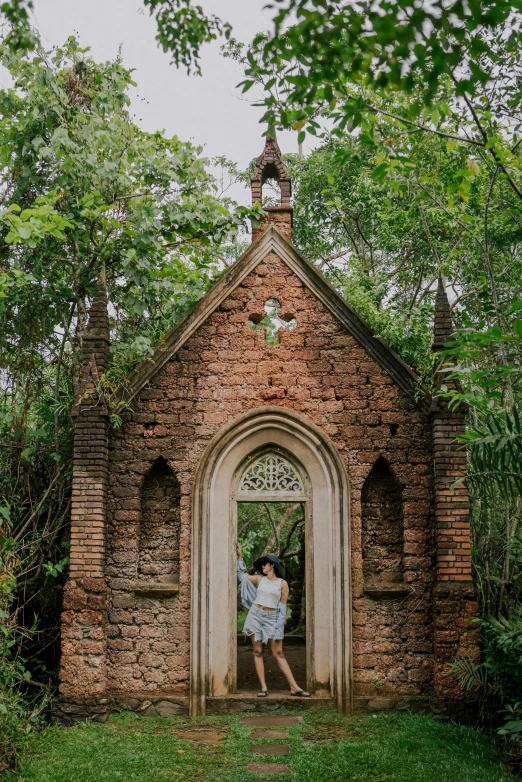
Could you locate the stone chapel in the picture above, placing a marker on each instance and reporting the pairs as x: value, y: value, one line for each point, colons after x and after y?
x: 389, y: 595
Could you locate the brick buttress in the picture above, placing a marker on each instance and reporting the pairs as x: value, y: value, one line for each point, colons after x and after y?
x: 84, y: 618
x: 454, y: 598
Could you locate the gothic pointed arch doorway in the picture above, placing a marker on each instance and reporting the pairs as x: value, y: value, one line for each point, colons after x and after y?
x: 223, y: 476
x: 271, y: 513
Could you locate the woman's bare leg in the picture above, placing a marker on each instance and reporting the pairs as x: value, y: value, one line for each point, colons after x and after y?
x: 277, y: 651
x: 259, y: 664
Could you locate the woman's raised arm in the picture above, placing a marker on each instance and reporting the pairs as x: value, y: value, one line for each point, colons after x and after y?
x: 242, y: 571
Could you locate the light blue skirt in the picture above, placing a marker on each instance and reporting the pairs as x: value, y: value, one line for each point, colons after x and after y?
x: 261, y: 624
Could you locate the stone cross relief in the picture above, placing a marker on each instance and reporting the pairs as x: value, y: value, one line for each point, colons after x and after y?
x: 272, y: 320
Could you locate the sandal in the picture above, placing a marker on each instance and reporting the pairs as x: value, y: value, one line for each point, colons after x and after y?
x: 301, y: 694
x: 262, y: 694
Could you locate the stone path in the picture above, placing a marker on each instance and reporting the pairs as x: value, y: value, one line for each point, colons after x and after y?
x: 273, y: 727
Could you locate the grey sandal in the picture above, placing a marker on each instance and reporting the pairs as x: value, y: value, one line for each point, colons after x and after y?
x: 301, y: 694
x: 262, y: 694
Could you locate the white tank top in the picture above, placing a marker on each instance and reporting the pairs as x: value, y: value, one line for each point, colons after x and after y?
x: 269, y: 592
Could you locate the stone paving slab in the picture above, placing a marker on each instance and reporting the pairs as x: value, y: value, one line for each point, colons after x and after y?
x: 269, y: 749
x: 202, y: 736
x: 271, y: 720
x: 248, y: 702
x: 269, y: 768
x: 269, y: 733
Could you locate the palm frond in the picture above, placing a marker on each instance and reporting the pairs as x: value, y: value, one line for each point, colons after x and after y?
x: 495, y: 449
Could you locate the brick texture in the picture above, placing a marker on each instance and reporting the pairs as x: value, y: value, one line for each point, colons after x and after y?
x: 454, y: 598
x: 224, y: 369
x: 84, y: 618
x: 382, y: 527
x: 270, y: 165
x: 409, y: 526
x: 159, y: 524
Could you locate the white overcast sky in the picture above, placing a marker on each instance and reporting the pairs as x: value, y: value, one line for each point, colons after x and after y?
x: 207, y: 110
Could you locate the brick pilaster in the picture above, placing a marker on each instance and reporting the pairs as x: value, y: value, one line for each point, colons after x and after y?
x: 454, y: 599
x: 84, y: 618
x: 270, y: 165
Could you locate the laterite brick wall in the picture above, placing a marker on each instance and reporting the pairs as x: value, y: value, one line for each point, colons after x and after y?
x: 320, y: 371
x: 131, y: 512
x: 84, y: 618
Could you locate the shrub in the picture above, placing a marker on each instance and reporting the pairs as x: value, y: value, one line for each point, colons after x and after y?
x: 20, y: 710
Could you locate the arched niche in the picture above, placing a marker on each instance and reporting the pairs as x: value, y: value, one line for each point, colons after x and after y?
x: 382, y: 527
x: 160, y: 521
x: 214, y: 531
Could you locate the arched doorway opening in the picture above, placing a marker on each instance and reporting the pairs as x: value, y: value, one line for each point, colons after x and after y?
x: 214, y: 530
x: 272, y: 494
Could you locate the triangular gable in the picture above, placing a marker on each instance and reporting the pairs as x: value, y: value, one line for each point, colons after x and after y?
x: 273, y: 241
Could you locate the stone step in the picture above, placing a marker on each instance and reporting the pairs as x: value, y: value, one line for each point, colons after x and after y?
x: 269, y: 768
x: 269, y: 733
x: 269, y: 749
x: 271, y: 720
x: 248, y: 702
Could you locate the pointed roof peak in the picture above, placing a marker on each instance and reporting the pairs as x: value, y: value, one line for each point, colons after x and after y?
x: 96, y: 339
x: 442, y: 324
x: 273, y: 241
x: 441, y: 290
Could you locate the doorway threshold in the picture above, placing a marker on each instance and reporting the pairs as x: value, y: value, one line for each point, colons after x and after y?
x: 246, y: 701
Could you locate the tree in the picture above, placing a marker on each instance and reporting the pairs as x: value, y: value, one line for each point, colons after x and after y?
x: 19, y: 35
x: 84, y: 190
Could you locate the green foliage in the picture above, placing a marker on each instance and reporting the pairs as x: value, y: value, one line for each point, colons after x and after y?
x: 502, y: 654
x: 496, y: 454
x: 85, y: 191
x: 512, y: 727
x: 271, y: 528
x: 19, y: 35
x: 87, y: 188
x: 183, y: 28
x: 497, y: 678
x: 322, y: 55
x: 20, y: 709
x: 18, y: 717
x: 385, y: 44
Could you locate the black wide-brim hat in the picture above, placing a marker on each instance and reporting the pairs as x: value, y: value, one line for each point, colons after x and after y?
x: 275, y: 561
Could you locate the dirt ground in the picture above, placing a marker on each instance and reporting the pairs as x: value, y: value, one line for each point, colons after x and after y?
x: 295, y: 652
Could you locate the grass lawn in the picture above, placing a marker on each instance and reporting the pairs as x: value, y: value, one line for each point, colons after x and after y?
x: 324, y: 747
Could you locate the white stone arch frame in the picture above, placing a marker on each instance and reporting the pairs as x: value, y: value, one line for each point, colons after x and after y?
x: 214, y: 525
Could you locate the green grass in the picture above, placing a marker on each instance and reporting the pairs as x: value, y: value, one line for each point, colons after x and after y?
x: 325, y: 748
x: 394, y: 747
x: 129, y: 748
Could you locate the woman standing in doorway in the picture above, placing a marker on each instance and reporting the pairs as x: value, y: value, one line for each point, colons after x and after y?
x: 266, y: 597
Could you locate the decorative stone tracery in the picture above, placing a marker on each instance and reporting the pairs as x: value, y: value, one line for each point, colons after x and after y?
x: 271, y: 473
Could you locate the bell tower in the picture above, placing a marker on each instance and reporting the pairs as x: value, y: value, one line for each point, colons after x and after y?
x: 270, y: 165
